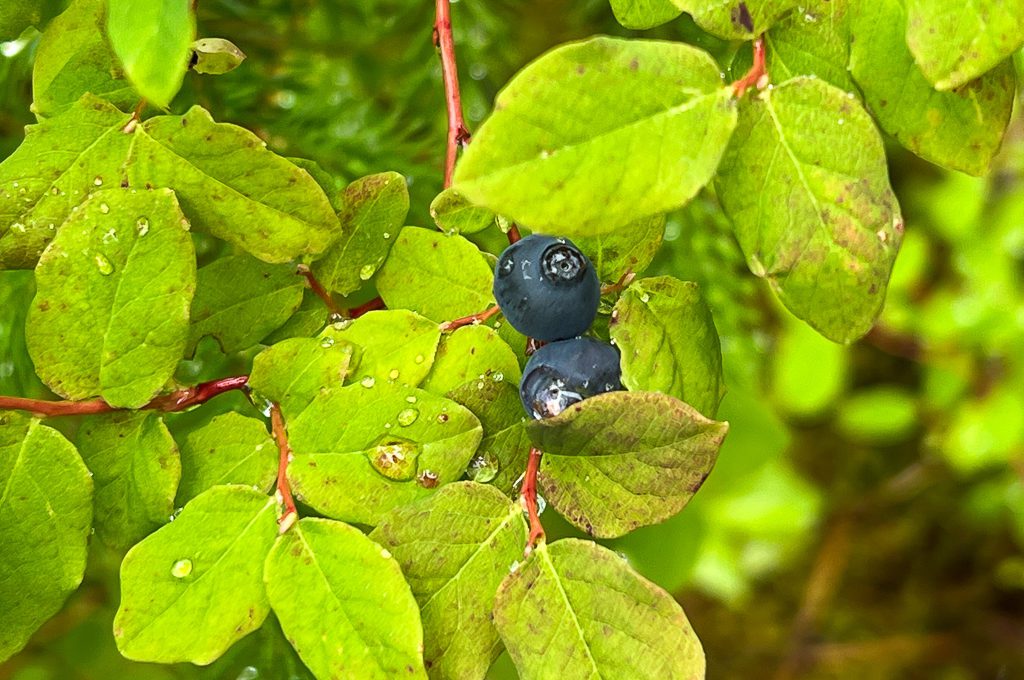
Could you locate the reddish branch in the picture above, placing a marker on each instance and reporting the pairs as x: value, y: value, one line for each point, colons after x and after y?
x: 457, y: 132
x: 373, y: 305
x: 513, y: 234
x: 624, y: 280
x: 179, y: 400
x: 528, y: 498
x: 284, y: 490
x: 470, y: 320
x: 757, y: 75
x: 318, y: 288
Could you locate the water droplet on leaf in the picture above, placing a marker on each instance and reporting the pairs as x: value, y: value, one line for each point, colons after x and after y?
x: 395, y: 458
x: 327, y: 342
x: 482, y: 468
x: 105, y: 266
x: 367, y: 382
x: 181, y: 568
x: 407, y: 416
x: 366, y: 271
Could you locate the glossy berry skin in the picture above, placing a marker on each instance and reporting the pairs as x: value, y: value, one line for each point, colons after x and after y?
x: 546, y: 288
x: 563, y: 373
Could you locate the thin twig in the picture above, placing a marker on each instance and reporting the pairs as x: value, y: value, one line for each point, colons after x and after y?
x: 471, y: 320
x: 371, y: 306
x: 624, y: 280
x: 178, y: 400
x: 284, y: 490
x: 758, y: 73
x: 318, y: 288
x: 528, y: 498
x: 513, y: 234
x: 458, y: 133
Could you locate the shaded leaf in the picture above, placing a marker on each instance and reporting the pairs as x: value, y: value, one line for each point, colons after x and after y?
x: 505, y: 444
x: 110, y: 315
x: 471, y: 354
x: 74, y: 58
x: 366, y: 623
x: 395, y: 345
x: 136, y: 468
x: 373, y: 210
x: 232, y: 186
x: 960, y: 129
x: 631, y: 248
x: 230, y: 449
x: 361, y: 451
x: 668, y: 343
x: 455, y: 548
x: 453, y: 214
x: 806, y: 185
x: 215, y: 56
x: 440, y: 276
x: 152, y: 41
x: 239, y: 300
x: 15, y: 17
x: 596, y: 134
x: 644, y: 14
x: 294, y: 371
x: 622, y: 460
x: 577, y: 610
x: 189, y: 590
x: 45, y: 515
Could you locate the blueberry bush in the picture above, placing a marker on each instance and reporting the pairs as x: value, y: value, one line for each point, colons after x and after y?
x: 254, y: 424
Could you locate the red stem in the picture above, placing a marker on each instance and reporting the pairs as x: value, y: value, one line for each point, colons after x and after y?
x: 757, y: 71
x: 528, y: 498
x: 457, y: 131
x: 624, y: 280
x: 284, y: 490
x: 169, y: 403
x: 318, y: 288
x: 513, y: 234
x: 479, y: 317
x: 373, y: 305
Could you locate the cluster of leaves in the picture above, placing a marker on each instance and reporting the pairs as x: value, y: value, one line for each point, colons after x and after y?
x: 147, y: 236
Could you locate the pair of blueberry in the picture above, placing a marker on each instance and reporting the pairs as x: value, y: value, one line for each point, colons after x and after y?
x: 548, y: 289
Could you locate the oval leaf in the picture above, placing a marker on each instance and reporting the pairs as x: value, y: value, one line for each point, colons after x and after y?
x: 294, y: 371
x: 577, y: 610
x: 736, y: 20
x: 806, y: 185
x: 599, y: 133
x: 366, y: 624
x: 622, y: 460
x: 394, y: 345
x: 113, y: 289
x: 230, y: 449
x: 152, y: 39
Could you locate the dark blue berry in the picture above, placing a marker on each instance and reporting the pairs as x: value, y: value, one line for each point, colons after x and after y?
x: 562, y: 373
x: 546, y: 288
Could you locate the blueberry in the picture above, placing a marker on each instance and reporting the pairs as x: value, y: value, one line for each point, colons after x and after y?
x: 562, y: 373
x: 546, y: 288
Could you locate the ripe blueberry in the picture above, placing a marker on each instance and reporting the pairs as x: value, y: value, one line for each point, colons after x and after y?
x: 546, y: 288
x: 562, y: 373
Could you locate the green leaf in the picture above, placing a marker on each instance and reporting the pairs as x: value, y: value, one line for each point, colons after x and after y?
x: 737, y: 21
x: 215, y: 56
x: 631, y: 248
x: 442, y: 277
x: 668, y: 343
x: 230, y: 449
x: 806, y: 185
x: 500, y: 459
x: 643, y: 14
x: 240, y: 300
x: 152, y: 39
x: 190, y: 590
x: 596, y: 134
x: 453, y: 214
x: 395, y: 345
x: 74, y: 58
x: 232, y: 186
x: 955, y: 42
x: 960, y: 129
x: 15, y: 17
x: 308, y: 320
x: 577, y: 610
x: 60, y: 162
x: 372, y: 214
x: 471, y: 354
x: 365, y: 625
x: 622, y: 460
x: 361, y: 451
x: 45, y: 515
x: 294, y: 371
x: 113, y: 289
x: 136, y: 468
x: 455, y: 548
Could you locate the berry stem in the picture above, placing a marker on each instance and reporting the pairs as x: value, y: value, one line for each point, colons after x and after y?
x: 458, y: 133
x: 178, y: 400
x: 284, y: 490
x: 513, y: 234
x: 758, y: 73
x: 528, y: 498
x: 318, y: 288
x: 371, y: 306
x: 470, y: 320
x: 624, y: 280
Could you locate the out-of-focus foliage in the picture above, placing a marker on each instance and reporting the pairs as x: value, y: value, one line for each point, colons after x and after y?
x: 865, y: 517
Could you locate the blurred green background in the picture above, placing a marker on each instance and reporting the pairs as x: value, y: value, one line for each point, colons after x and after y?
x: 866, y: 516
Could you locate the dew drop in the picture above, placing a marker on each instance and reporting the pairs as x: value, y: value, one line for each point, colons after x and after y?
x: 393, y: 375
x: 418, y: 359
x: 407, y: 416
x: 498, y: 377
x: 103, y: 264
x: 181, y: 568
x: 411, y: 399
x: 394, y: 458
x: 385, y: 553
x: 142, y: 226
x: 327, y: 342
x: 248, y: 673
x: 386, y: 235
x: 54, y: 191
x: 541, y: 504
x: 645, y: 298
x: 341, y: 324
x: 482, y: 468
x: 98, y: 181
x: 367, y: 382
x: 366, y: 271
x: 110, y: 235
x: 104, y: 208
